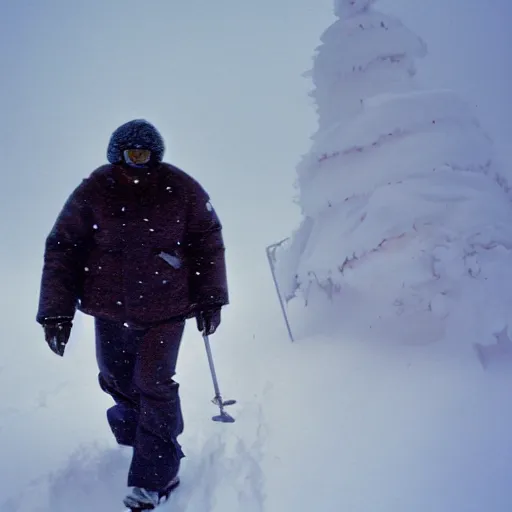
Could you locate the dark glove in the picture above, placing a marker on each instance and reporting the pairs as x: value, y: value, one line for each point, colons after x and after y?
x: 208, y: 320
x: 56, y: 333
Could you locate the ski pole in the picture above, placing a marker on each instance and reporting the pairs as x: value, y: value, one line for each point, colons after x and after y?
x: 223, y: 417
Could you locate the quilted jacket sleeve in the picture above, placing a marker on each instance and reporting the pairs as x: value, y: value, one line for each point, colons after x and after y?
x: 64, y: 258
x: 206, y: 251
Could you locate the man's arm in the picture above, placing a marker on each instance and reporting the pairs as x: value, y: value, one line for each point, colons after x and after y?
x: 64, y: 258
x: 206, y: 253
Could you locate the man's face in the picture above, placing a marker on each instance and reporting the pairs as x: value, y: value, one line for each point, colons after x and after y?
x: 137, y: 156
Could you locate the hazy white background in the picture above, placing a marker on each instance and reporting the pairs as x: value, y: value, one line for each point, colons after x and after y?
x: 222, y: 81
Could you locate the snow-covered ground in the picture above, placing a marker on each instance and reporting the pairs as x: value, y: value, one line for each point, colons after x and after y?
x: 324, y: 424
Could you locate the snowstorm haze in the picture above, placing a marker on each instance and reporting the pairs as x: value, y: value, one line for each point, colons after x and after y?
x: 223, y: 83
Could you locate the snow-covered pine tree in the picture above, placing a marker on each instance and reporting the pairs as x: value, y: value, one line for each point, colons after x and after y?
x: 362, y: 54
x: 404, y: 212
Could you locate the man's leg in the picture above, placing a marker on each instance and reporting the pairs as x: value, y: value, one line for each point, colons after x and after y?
x: 116, y: 349
x: 157, y: 453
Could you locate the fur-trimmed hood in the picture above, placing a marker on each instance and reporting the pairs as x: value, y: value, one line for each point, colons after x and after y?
x: 135, y: 134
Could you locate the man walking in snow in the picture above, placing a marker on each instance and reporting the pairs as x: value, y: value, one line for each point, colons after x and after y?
x: 139, y: 247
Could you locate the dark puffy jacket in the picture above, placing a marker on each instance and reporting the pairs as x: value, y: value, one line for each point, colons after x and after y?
x: 137, y: 246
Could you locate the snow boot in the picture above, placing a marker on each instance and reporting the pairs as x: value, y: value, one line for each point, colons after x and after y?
x: 143, y: 499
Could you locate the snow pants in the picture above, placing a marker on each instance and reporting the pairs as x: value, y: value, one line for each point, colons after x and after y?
x: 136, y: 367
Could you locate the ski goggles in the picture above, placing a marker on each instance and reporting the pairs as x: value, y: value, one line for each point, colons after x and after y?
x: 137, y: 156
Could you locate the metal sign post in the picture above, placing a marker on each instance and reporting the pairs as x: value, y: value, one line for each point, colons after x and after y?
x: 271, y: 249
